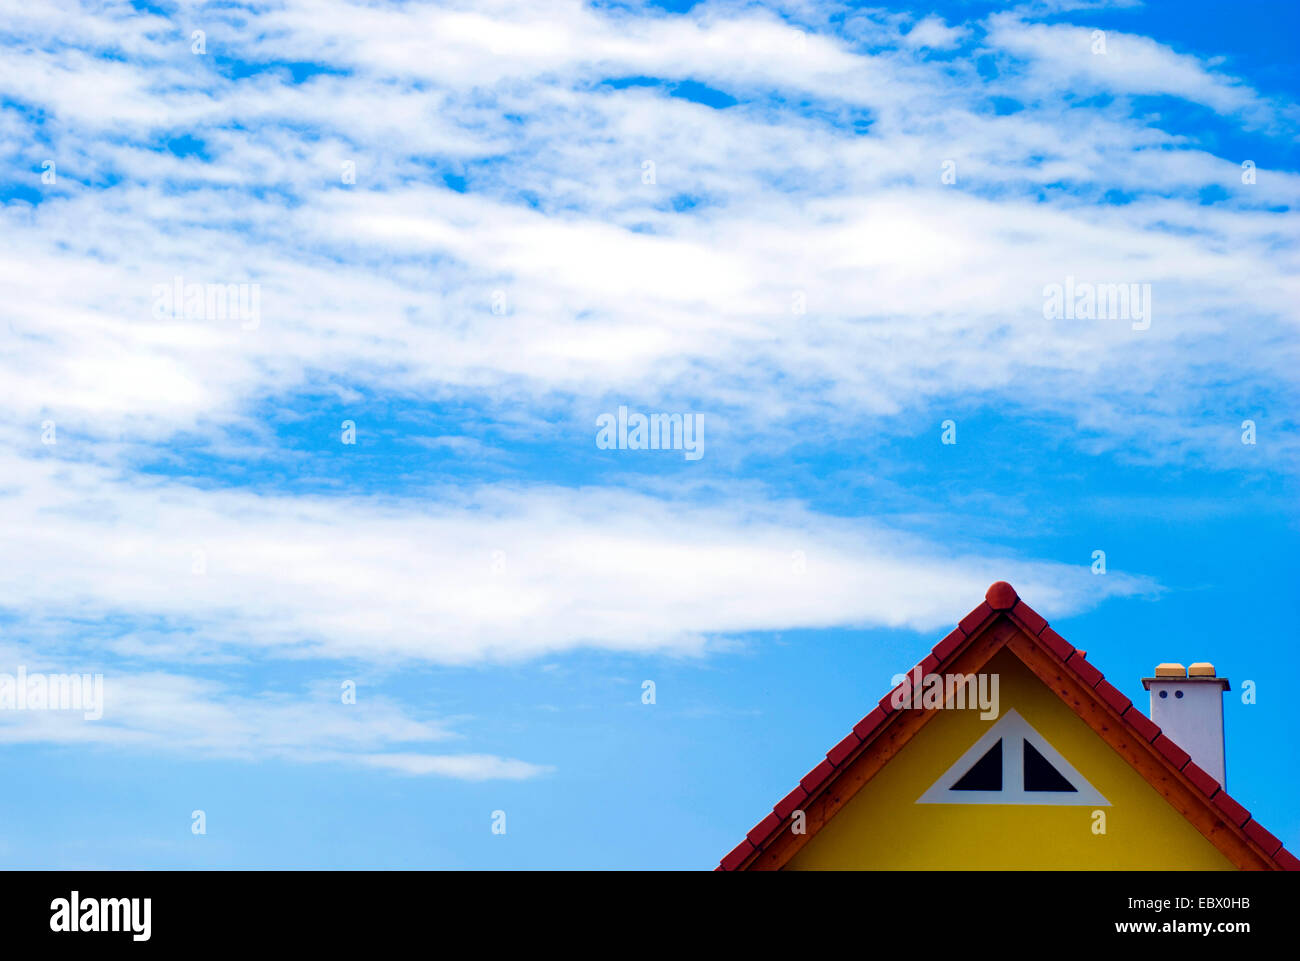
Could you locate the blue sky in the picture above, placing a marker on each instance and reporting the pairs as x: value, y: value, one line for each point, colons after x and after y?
x: 473, y: 230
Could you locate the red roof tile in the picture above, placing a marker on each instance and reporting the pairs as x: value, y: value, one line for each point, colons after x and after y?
x: 1255, y: 831
x: 949, y: 644
x: 790, y: 802
x: 1056, y: 643
x: 815, y: 778
x: 867, y: 726
x: 886, y: 703
x: 840, y: 752
x: 1237, y: 814
x: 1112, y: 695
x: 1142, y: 724
x: 975, y: 618
x: 1197, y: 776
x: 1089, y: 674
x: 1172, y: 752
x: 738, y: 854
x: 1032, y: 621
x: 763, y: 830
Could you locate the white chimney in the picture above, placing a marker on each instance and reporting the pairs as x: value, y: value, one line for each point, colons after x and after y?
x: 1187, y: 704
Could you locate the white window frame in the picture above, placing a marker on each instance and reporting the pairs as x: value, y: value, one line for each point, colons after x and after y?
x: 1012, y: 729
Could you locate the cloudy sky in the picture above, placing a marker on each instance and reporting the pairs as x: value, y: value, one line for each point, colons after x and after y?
x: 462, y: 233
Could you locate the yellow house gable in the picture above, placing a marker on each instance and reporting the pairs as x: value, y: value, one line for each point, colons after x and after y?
x: 1114, y: 819
x: 1066, y: 773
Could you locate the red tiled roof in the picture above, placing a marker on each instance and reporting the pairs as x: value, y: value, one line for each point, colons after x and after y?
x: 1002, y: 599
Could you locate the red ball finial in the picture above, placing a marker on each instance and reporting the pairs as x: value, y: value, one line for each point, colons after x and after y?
x: 1001, y: 596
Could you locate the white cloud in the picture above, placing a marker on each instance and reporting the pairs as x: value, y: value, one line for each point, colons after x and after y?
x: 911, y: 285
x: 188, y: 717
x: 494, y: 574
x: 915, y: 290
x: 934, y: 33
x: 1064, y: 56
x: 467, y: 767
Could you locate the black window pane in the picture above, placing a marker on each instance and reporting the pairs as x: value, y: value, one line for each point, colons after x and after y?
x: 986, y: 774
x: 1040, y: 775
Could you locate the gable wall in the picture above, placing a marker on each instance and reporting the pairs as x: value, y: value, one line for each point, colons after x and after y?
x: 883, y: 827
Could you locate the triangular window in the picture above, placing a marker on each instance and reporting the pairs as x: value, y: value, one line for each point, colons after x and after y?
x: 1011, y: 763
x: 986, y: 775
x: 1039, y: 773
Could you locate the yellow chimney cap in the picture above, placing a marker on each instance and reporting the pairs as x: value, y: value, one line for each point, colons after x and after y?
x: 1171, y: 670
x: 1201, y: 669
